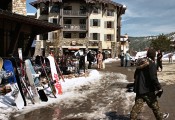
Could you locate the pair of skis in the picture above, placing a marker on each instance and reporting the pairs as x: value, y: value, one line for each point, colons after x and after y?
x: 56, y: 88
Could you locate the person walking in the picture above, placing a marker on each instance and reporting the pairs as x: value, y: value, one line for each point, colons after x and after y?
x: 127, y: 58
x: 170, y: 57
x: 90, y: 58
x: 147, y: 87
x: 104, y: 57
x: 122, y: 58
x: 159, y: 60
x: 99, y: 60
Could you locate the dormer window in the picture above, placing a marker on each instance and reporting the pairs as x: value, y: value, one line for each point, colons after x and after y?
x: 55, y: 8
x: 110, y: 13
x: 43, y: 9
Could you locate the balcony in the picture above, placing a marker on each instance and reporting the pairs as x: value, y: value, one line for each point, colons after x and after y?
x: 93, y: 44
x: 74, y: 27
x: 71, y: 13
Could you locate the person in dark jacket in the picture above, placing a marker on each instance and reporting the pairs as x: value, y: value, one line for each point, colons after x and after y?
x: 122, y: 58
x: 159, y: 60
x: 147, y: 87
x: 90, y: 58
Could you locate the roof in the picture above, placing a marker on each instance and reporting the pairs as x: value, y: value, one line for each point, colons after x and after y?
x: 4, y: 4
x: 38, y: 26
x: 87, y: 1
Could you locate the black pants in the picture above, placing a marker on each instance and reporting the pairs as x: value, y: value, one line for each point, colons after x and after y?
x: 122, y: 61
x: 89, y: 65
x: 159, y: 64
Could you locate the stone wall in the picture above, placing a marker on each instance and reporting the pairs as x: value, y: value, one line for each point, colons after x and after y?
x: 19, y: 7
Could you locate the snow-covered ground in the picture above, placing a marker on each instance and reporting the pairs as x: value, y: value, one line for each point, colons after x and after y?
x: 7, y: 105
x: 70, y: 93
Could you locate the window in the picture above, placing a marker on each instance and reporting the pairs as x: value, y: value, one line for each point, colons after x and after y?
x: 67, y: 35
x: 82, y: 21
x: 55, y: 35
x: 110, y: 12
x: 95, y: 36
x: 96, y: 10
x: 95, y: 22
x: 43, y: 36
x: 67, y: 7
x: 67, y: 21
x: 108, y: 37
x: 83, y: 8
x: 43, y: 9
x: 55, y: 21
x: 55, y: 8
x: 82, y: 35
x: 109, y: 24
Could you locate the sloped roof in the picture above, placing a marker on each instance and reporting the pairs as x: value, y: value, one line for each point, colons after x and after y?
x: 38, y: 26
x: 87, y: 1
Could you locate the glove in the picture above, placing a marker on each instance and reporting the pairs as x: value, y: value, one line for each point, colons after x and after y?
x: 159, y: 93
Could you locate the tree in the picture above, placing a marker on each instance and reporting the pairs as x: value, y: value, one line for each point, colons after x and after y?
x: 161, y: 43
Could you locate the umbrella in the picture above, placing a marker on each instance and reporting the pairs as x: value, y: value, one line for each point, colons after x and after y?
x: 78, y: 53
x: 107, y: 52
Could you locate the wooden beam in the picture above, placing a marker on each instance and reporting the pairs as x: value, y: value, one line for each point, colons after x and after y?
x: 29, y: 44
x: 15, y: 39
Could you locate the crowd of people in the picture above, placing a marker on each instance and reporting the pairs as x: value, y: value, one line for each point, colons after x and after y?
x: 99, y: 58
x: 124, y: 58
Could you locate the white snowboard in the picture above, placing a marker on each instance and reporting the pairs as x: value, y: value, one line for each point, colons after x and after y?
x: 55, y: 76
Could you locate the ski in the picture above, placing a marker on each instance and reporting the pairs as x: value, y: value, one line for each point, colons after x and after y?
x: 51, y: 83
x: 21, y: 76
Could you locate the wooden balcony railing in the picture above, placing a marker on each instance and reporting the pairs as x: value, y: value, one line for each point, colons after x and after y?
x: 74, y: 13
x: 93, y: 43
x: 74, y: 27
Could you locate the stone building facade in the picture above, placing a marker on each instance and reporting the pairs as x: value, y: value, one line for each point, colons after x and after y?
x: 86, y: 24
x: 19, y: 7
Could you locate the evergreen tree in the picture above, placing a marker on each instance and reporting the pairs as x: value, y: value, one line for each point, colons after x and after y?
x: 161, y: 43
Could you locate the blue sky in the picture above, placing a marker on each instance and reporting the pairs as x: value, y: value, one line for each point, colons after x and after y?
x: 143, y: 17
x: 30, y: 9
x: 148, y: 17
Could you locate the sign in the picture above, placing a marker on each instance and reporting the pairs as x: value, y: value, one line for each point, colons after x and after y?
x: 73, y: 43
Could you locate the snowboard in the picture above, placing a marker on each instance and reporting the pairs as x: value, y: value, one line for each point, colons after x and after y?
x: 45, y: 66
x: 37, y: 90
x: 15, y: 85
x: 54, y: 74
x: 1, y: 64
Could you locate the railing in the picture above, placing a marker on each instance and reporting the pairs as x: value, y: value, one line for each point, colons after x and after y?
x: 74, y: 13
x: 74, y: 27
x: 93, y: 43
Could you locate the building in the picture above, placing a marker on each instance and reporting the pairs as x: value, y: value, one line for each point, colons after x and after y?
x: 17, y: 30
x: 87, y: 24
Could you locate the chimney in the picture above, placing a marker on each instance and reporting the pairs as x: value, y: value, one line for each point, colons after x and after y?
x: 19, y: 7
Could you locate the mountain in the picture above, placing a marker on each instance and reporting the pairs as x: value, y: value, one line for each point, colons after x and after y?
x: 140, y: 43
